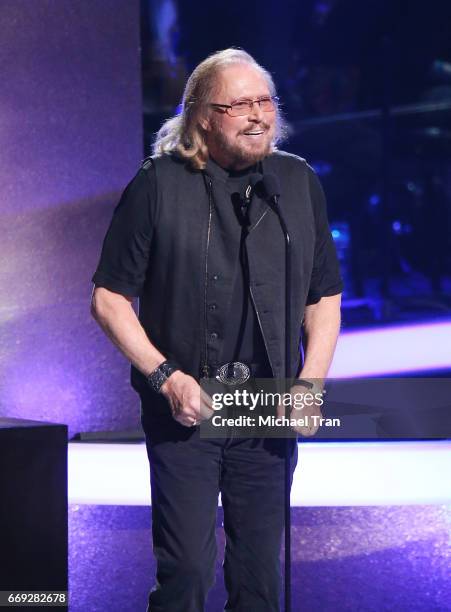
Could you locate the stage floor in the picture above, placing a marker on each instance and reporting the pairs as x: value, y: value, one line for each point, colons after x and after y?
x: 353, y: 559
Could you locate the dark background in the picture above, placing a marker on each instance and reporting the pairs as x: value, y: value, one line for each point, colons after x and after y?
x: 366, y: 89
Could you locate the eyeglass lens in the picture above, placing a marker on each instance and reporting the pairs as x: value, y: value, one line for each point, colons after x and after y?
x: 244, y: 106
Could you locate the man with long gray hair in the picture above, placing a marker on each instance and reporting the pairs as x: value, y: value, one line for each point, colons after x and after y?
x: 201, y: 247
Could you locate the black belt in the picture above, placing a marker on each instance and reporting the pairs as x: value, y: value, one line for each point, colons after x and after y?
x: 238, y: 372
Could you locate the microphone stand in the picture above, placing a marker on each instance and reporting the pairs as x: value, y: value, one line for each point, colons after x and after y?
x: 287, y: 479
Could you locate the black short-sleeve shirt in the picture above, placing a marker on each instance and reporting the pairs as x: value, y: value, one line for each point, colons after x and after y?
x: 131, y: 243
x: 124, y: 258
x: 125, y: 252
x: 326, y: 279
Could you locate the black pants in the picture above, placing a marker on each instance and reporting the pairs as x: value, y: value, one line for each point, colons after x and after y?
x: 187, y: 474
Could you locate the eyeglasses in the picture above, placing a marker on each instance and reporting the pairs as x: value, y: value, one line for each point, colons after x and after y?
x: 242, y: 107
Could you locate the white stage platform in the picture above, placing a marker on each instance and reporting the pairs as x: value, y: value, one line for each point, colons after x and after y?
x: 328, y: 474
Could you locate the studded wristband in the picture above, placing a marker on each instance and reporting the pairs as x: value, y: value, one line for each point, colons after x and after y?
x: 160, y: 375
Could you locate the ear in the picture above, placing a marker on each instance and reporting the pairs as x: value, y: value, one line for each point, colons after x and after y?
x: 204, y: 123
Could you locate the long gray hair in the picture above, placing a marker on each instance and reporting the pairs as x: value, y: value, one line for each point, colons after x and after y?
x: 183, y: 133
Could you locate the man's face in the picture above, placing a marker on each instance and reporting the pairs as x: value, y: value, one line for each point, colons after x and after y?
x: 239, y: 142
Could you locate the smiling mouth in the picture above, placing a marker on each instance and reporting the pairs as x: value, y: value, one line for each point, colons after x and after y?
x: 254, y: 133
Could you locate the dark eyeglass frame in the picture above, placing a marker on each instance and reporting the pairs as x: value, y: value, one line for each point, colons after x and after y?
x: 227, y: 108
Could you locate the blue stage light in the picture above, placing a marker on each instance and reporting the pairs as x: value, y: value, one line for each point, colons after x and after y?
x: 397, y: 227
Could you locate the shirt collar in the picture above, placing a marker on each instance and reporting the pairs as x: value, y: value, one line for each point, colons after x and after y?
x: 214, y: 170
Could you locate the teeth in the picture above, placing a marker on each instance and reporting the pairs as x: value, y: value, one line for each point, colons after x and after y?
x: 253, y: 133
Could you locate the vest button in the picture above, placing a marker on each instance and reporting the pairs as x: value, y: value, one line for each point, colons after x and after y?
x: 214, y: 336
x: 213, y: 306
x: 215, y: 277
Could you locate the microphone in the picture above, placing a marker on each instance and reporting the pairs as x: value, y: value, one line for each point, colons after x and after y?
x: 254, y: 179
x: 243, y: 203
x: 271, y: 188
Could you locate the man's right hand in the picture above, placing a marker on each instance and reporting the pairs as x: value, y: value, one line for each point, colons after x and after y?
x: 188, y: 401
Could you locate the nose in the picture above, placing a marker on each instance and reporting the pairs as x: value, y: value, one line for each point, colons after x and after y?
x: 256, y: 113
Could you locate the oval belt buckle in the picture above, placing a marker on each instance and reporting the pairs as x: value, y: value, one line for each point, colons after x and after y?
x: 233, y: 373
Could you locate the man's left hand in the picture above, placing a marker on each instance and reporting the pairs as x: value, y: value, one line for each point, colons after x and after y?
x: 307, y: 413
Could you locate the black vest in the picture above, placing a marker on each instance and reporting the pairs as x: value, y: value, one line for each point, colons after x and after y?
x: 190, y: 265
